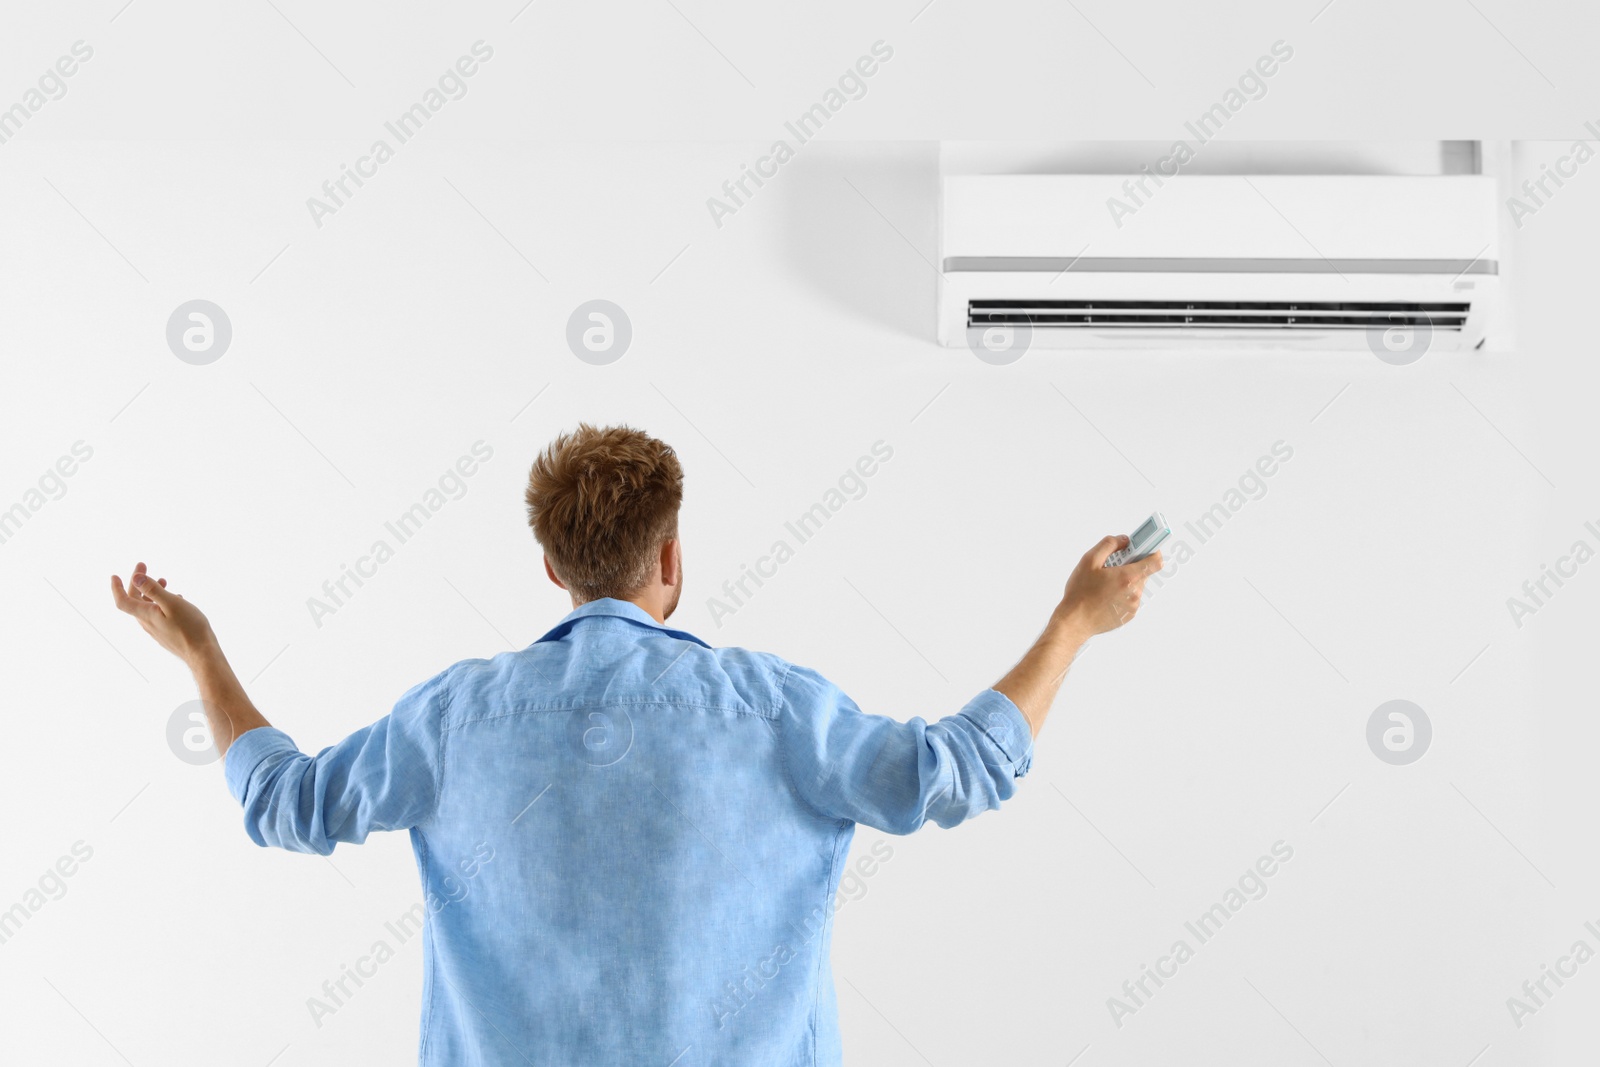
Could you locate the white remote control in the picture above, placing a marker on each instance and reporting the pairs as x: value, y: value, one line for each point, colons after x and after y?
x: 1143, y: 541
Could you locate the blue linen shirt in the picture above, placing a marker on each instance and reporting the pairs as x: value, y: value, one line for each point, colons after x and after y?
x: 630, y: 842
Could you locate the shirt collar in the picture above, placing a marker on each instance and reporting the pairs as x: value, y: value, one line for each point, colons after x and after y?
x: 617, y: 609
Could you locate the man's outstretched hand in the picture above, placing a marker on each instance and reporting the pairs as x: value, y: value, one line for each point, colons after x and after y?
x: 182, y: 629
x: 177, y: 625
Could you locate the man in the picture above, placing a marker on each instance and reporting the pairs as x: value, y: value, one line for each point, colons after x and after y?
x: 630, y: 841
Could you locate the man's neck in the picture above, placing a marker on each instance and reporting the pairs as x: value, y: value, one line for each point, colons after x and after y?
x: 651, y: 606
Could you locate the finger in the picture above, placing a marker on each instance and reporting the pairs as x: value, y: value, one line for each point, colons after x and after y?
x: 1150, y: 565
x: 134, y: 581
x: 162, y: 582
x: 119, y: 595
x: 156, y: 591
x: 1104, y: 547
x: 133, y: 605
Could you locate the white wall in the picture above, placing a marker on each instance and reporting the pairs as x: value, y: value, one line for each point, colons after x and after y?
x: 772, y: 351
x: 787, y: 342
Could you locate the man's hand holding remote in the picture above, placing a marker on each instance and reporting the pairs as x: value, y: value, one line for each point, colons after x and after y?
x: 1098, y: 599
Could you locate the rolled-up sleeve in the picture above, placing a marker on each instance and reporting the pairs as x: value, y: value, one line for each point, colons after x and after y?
x: 893, y: 775
x: 382, y: 777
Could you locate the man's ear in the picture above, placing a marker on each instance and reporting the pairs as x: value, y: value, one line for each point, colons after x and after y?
x: 551, y: 573
x: 671, y: 562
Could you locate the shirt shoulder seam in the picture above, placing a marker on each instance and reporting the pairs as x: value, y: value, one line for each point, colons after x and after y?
x: 444, y: 738
x: 783, y: 753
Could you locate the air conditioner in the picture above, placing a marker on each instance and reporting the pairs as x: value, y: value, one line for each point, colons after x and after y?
x: 1221, y: 262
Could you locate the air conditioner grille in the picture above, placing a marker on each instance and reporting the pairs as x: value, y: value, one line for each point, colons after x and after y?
x: 1216, y: 314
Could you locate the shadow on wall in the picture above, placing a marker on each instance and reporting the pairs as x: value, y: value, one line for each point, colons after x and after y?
x: 861, y: 228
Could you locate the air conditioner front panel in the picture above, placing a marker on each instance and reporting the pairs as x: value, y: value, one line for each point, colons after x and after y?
x: 1275, y: 217
x: 1212, y: 261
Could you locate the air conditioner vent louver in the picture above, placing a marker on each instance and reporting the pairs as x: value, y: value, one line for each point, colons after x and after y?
x: 1216, y: 314
x: 1369, y: 264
